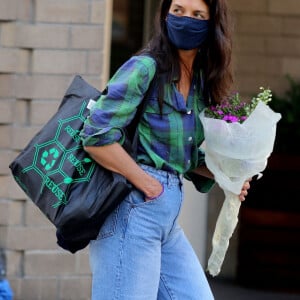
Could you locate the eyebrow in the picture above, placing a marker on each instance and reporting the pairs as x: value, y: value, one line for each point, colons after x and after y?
x: 198, y: 10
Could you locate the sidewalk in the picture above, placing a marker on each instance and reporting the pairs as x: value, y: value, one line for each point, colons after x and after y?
x: 229, y: 290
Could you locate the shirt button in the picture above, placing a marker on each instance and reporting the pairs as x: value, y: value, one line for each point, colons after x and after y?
x: 190, y: 139
x: 189, y: 112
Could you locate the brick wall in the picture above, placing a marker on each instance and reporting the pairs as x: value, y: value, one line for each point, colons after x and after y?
x: 43, y: 44
x: 266, y: 43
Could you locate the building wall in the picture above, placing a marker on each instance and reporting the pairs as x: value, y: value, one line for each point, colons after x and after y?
x: 266, y: 43
x: 43, y: 43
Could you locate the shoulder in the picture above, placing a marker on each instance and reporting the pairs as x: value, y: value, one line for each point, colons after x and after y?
x: 146, y: 60
x: 139, y: 69
x: 144, y: 63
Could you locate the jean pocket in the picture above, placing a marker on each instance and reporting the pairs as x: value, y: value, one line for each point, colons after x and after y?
x: 109, y: 226
x: 137, y: 199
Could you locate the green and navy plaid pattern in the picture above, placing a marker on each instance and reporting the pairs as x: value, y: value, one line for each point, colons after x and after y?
x: 167, y: 141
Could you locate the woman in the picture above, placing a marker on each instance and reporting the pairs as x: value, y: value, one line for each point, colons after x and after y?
x: 141, y: 251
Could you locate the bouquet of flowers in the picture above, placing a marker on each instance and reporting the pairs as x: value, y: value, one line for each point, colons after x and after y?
x: 239, y: 138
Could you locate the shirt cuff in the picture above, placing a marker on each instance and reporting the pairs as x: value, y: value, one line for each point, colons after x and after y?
x: 201, y: 183
x: 103, y: 137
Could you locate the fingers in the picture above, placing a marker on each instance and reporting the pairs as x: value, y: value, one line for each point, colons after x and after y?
x: 244, y: 191
x: 246, y: 186
x: 242, y: 195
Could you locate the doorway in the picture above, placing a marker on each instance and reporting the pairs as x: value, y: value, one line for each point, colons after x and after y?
x: 132, y: 22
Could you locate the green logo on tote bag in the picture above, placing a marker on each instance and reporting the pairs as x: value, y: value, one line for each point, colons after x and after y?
x: 49, y: 158
x: 61, y: 161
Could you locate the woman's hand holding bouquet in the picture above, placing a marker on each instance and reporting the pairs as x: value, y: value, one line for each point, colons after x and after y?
x: 239, y: 138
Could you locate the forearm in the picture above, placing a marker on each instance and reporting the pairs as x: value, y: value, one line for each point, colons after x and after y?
x: 114, y: 158
x: 203, y: 171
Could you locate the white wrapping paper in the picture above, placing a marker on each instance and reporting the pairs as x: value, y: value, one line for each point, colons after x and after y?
x: 234, y: 153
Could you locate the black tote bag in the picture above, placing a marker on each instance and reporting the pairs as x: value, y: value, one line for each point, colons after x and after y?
x: 74, y: 192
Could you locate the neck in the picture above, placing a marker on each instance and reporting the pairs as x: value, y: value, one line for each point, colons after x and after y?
x: 187, y: 57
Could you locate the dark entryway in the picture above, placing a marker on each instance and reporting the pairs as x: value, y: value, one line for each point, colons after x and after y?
x: 269, y: 232
x: 131, y: 28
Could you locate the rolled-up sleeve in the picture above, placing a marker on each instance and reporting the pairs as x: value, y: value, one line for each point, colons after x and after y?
x: 115, y: 109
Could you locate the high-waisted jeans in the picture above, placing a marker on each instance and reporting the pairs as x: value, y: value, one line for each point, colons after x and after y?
x: 141, y: 252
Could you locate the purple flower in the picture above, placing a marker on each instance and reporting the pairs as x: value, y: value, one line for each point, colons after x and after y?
x: 230, y: 118
x: 232, y: 109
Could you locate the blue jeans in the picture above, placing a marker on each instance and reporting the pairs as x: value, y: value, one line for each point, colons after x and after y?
x: 141, y: 252
x: 6, y: 292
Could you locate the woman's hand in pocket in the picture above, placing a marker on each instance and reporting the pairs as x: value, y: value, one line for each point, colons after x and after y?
x: 155, y: 190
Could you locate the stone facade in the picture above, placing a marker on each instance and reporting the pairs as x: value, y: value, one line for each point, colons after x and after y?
x: 266, y: 43
x: 43, y: 43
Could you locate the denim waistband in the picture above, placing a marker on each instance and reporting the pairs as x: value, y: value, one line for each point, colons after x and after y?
x: 162, y: 175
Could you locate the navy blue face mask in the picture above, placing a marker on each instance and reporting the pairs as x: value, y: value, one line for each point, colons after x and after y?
x: 185, y: 32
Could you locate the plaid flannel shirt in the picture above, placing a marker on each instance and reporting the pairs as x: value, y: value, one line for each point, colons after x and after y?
x: 168, y: 141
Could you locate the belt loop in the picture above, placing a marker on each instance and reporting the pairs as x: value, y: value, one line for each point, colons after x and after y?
x: 168, y: 179
x: 181, y: 179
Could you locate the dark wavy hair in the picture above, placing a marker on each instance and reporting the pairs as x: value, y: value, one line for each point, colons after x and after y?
x: 214, y: 57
